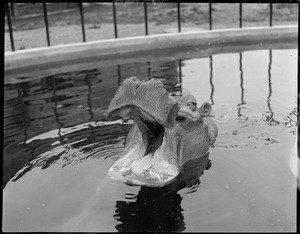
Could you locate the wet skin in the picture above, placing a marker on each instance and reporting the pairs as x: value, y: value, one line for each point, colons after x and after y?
x: 166, y: 133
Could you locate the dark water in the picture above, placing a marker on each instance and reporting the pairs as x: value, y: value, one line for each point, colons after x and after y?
x: 58, y: 148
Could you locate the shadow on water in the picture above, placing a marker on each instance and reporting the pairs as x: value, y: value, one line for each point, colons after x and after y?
x: 159, y: 209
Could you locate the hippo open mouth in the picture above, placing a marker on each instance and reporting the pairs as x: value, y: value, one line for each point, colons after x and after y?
x: 158, y: 143
x: 155, y: 133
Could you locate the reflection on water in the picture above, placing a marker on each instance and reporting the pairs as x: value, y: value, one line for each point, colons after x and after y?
x: 211, y: 79
x: 55, y: 128
x: 269, y: 118
x: 85, y: 143
x: 242, y: 87
x: 151, y: 210
x: 270, y: 85
x: 159, y: 209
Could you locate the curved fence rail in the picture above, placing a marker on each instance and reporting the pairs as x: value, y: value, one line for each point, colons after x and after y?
x: 10, y: 13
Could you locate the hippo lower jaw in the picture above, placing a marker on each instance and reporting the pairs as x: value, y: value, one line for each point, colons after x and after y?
x: 150, y: 155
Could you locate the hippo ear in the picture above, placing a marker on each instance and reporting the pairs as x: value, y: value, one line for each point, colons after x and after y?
x: 205, y: 109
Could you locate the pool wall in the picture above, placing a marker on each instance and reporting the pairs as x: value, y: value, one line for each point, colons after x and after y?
x: 46, y: 60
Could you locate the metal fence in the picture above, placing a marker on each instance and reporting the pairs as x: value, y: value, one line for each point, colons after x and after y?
x: 9, y: 10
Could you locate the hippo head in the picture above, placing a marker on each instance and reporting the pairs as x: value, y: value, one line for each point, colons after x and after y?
x: 166, y: 133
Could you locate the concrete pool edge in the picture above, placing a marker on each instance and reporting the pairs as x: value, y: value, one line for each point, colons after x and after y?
x: 49, y: 58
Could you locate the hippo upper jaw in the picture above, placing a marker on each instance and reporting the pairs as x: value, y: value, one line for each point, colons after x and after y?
x: 149, y: 99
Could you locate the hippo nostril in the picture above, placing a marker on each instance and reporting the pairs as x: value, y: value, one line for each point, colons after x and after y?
x: 180, y: 118
x: 137, y: 86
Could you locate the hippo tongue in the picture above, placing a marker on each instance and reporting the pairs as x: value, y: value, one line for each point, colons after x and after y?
x: 150, y: 97
x: 156, y: 134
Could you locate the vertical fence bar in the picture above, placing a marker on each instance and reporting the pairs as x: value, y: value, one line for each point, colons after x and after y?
x: 211, y: 80
x: 242, y: 79
x: 180, y: 75
x: 12, y: 10
x: 82, y: 21
x: 25, y: 117
x: 89, y: 102
x: 89, y: 96
x: 270, y: 84
x: 146, y: 18
x: 178, y: 17
x: 55, y: 108
x: 210, y: 17
x: 119, y: 72
x: 239, y: 114
x: 149, y: 70
x: 119, y: 75
x: 115, y: 19
x: 271, y: 14
x: 10, y: 27
x: 241, y: 15
x: 46, y: 23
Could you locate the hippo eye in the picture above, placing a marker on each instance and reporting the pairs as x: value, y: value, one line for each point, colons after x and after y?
x: 192, y: 105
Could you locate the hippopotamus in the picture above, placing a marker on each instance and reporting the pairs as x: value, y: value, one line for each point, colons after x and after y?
x: 167, y: 132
